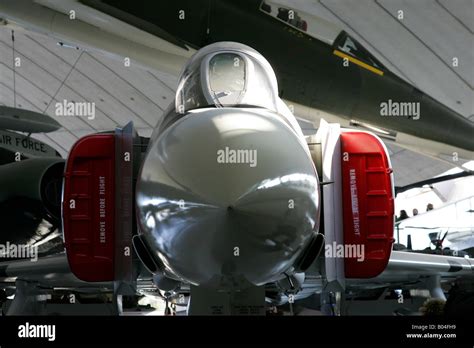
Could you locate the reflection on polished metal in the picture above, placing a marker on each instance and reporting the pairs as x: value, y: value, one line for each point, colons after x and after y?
x: 228, y: 224
x: 228, y: 196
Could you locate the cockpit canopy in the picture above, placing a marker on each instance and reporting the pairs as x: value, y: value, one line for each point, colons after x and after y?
x: 227, y: 74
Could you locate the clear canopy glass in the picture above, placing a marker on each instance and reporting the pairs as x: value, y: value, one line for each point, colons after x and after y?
x: 227, y: 74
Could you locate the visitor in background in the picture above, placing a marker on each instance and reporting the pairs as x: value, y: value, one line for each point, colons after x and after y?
x: 403, y: 215
x: 415, y: 212
x: 429, y: 207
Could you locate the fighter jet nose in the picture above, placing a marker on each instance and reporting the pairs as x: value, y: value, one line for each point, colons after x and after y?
x: 228, y: 197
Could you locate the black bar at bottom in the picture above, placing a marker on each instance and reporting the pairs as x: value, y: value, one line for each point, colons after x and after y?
x: 240, y: 330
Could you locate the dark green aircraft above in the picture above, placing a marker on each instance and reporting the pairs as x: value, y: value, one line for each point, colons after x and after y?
x: 343, y: 79
x: 334, y: 77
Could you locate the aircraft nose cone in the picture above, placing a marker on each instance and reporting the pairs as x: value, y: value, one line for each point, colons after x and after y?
x: 228, y: 197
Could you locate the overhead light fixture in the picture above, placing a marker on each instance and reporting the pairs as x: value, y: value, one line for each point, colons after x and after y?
x: 62, y: 44
x: 379, y: 131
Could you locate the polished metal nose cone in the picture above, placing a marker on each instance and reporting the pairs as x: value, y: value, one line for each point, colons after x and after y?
x: 228, y: 197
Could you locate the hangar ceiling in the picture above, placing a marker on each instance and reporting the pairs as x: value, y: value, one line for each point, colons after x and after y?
x: 420, y: 49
